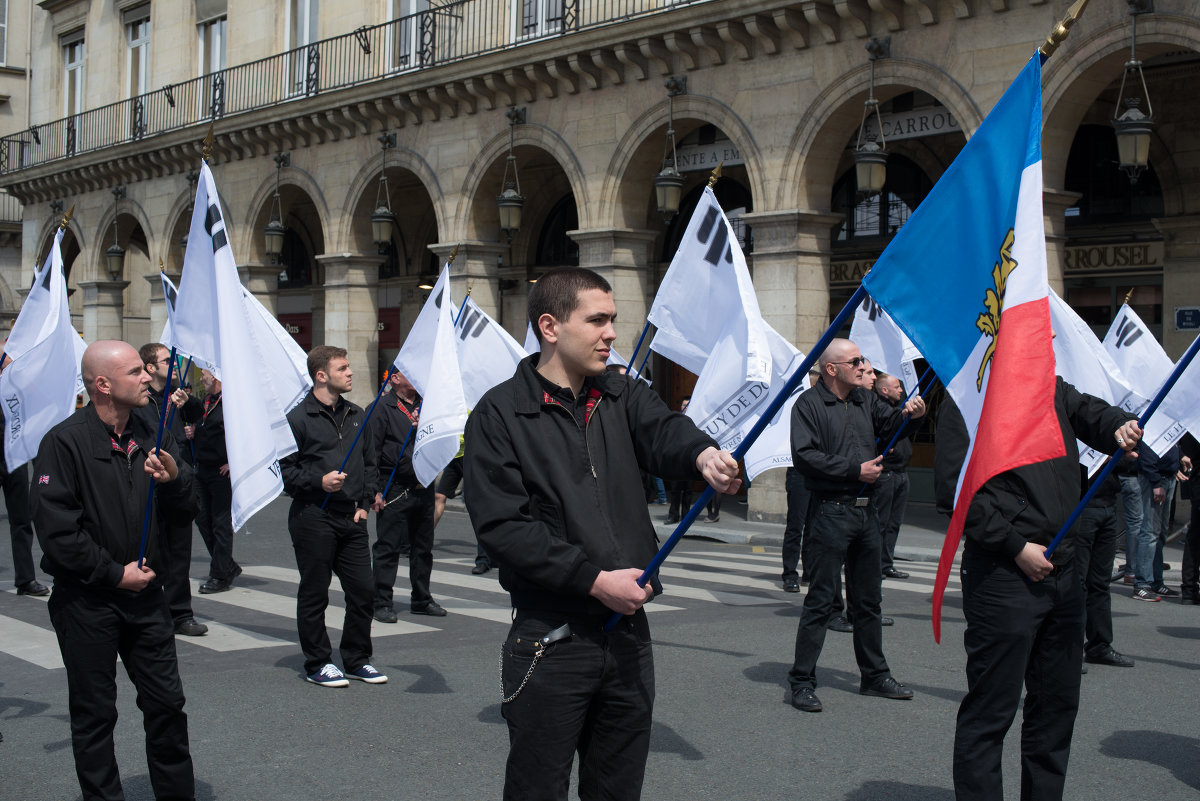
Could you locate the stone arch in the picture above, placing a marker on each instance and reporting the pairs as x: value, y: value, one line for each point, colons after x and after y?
x: 530, y: 136
x: 1073, y: 81
x: 177, y: 222
x: 398, y: 158
x: 821, y: 134
x: 258, y: 211
x: 636, y: 153
x: 127, y: 208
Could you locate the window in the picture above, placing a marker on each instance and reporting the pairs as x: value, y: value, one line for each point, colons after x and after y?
x: 73, y: 59
x: 3, y: 32
x: 538, y: 17
x: 302, y: 31
x: 137, y: 59
x: 212, y: 45
x: 876, y: 219
x: 404, y: 33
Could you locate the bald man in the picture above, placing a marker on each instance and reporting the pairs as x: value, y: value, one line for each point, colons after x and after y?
x: 834, y: 428
x: 91, y: 478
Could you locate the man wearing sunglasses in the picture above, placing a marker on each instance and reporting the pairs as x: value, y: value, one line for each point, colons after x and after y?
x: 834, y: 428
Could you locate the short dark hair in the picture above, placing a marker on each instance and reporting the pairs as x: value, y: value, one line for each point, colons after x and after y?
x: 148, y: 353
x: 557, y: 293
x: 320, y: 357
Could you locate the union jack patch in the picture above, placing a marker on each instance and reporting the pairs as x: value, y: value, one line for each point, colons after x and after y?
x: 43, y: 479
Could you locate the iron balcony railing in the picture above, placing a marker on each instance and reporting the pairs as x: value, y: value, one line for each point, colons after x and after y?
x: 447, y: 33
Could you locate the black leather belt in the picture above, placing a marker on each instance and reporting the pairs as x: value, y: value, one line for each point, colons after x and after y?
x: 849, y: 500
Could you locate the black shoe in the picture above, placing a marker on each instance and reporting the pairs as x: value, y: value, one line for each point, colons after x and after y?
x: 1189, y: 598
x: 887, y: 688
x: 804, y: 699
x: 884, y: 620
x: 432, y: 608
x: 1119, y: 574
x: 480, y: 568
x: 191, y: 628
x: 1164, y: 591
x: 214, y: 585
x: 893, y: 573
x: 791, y: 585
x: 384, y: 614
x: 804, y: 580
x: 1108, y: 656
x: 1083, y: 671
x: 839, y: 623
x: 35, y: 588
x: 670, y: 521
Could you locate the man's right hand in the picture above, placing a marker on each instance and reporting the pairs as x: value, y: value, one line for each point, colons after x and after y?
x: 869, y: 471
x: 333, y: 481
x: 1032, y: 561
x: 135, y: 579
x: 619, y: 590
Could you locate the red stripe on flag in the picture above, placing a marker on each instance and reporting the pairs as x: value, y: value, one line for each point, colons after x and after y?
x: 1018, y: 425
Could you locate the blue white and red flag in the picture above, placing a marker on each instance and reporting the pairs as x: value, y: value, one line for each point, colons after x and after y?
x: 965, y: 279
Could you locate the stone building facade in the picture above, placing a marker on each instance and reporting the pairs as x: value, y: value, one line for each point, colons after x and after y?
x: 123, y: 92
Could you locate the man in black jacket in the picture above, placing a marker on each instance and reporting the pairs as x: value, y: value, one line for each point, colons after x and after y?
x: 1095, y: 548
x: 405, y: 518
x: 214, y: 492
x: 552, y: 461
x: 834, y: 428
x: 92, y: 475
x: 1024, y: 613
x: 175, y: 525
x: 891, y: 488
x: 332, y: 539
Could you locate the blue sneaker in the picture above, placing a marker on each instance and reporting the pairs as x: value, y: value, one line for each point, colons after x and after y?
x: 329, y: 676
x: 368, y: 674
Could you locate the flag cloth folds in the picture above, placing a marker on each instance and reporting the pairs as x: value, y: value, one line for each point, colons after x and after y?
x: 38, y: 388
x: 1136, y: 351
x: 977, y: 245
x: 487, y: 354
x: 429, y: 360
x: 881, y: 340
x: 215, y: 325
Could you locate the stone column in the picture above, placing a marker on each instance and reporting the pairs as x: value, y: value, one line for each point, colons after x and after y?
x: 1181, y: 276
x: 103, y: 308
x: 263, y: 281
x: 791, y: 276
x: 1055, y: 203
x: 352, y: 317
x: 476, y: 268
x: 623, y: 256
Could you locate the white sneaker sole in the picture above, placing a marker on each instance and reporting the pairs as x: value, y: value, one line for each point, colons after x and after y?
x: 376, y: 680
x: 334, y: 683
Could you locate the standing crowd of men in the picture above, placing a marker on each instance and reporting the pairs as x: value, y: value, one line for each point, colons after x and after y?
x: 552, y: 463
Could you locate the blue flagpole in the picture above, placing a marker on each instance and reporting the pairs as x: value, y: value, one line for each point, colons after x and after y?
x: 1109, y: 466
x: 363, y: 427
x: 903, y: 422
x: 764, y: 420
x: 162, y: 419
x: 461, y: 306
x: 645, y: 359
x: 399, y: 456
x: 637, y: 348
x: 171, y: 416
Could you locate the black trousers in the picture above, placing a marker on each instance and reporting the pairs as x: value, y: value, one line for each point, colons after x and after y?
x: 328, y: 542
x: 1095, y: 549
x: 1190, y: 583
x: 94, y: 627
x: 174, y: 561
x: 214, y: 518
x: 1018, y: 632
x: 890, y: 496
x: 841, y: 534
x: 797, y: 512
x: 592, y: 694
x: 408, y: 520
x: 680, y: 495
x: 20, y: 524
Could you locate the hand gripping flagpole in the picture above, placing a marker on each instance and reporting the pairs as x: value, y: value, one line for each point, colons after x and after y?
x: 904, y: 421
x: 186, y: 369
x: 764, y: 420
x: 162, y: 419
x: 1112, y: 462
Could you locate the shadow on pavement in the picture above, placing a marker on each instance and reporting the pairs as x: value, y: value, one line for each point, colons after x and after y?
x: 137, y: 788
x: 1174, y: 752
x: 898, y: 791
x: 664, y: 740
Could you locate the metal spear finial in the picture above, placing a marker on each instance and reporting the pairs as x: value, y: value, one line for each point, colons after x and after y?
x: 1062, y: 29
x: 716, y: 173
x: 206, y: 152
x: 66, y: 220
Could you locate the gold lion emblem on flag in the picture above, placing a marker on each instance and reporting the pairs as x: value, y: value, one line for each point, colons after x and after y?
x: 993, y: 301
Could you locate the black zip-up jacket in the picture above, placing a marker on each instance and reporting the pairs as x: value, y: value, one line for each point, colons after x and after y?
x: 1106, y: 495
x: 324, y: 437
x: 555, y: 502
x: 391, y: 428
x: 89, y: 498
x: 831, y: 438
x: 896, y: 460
x: 151, y: 414
x: 1029, y: 503
x: 209, y: 437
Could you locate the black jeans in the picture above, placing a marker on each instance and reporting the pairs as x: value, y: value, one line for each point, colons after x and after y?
x: 890, y: 496
x: 841, y: 533
x: 94, y: 627
x: 680, y: 495
x: 328, y: 542
x: 1018, y: 632
x: 214, y: 518
x: 175, y: 561
x: 20, y: 524
x: 1190, y: 583
x: 592, y: 694
x: 1095, y: 549
x: 408, y: 520
x: 797, y: 512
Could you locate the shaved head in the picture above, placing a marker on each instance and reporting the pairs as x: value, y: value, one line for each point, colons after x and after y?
x: 837, y: 351
x: 104, y: 358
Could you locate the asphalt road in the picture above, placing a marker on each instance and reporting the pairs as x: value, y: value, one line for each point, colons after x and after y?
x: 724, y: 635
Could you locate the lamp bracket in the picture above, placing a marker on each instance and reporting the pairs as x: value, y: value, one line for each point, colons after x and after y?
x: 676, y: 85
x: 1137, y: 7
x: 118, y: 191
x: 282, y: 159
x: 56, y: 207
x: 515, y: 115
x: 879, y: 47
x: 386, y: 140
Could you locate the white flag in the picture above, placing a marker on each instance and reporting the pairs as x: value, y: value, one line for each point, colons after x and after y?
x: 38, y: 388
x: 1083, y: 362
x: 284, y: 362
x: 487, y: 354
x: 429, y: 360
x: 532, y: 345
x: 773, y: 448
x: 882, y: 341
x: 707, y: 297
x: 1146, y: 367
x: 216, y: 326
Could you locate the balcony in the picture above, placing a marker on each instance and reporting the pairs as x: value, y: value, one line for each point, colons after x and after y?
x: 448, y: 33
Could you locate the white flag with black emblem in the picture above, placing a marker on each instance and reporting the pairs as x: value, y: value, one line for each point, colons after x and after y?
x: 1146, y: 367
x: 487, y: 354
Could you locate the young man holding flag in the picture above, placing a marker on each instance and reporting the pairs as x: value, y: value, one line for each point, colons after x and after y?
x: 552, y: 460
